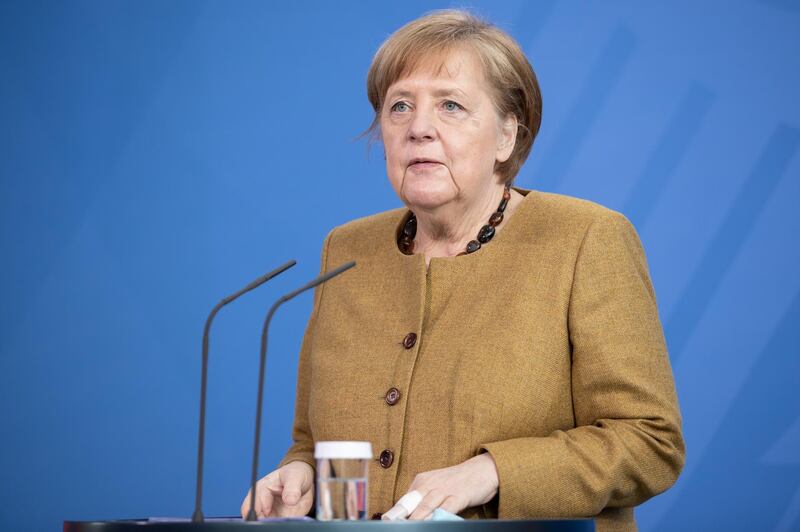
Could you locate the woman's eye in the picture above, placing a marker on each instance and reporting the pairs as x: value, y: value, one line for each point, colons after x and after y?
x: 400, y: 107
x: 452, y: 106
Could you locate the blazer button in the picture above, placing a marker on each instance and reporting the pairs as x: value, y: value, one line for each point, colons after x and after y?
x: 409, y: 340
x: 386, y: 459
x: 392, y: 396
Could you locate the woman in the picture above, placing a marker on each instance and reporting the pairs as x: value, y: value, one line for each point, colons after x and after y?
x: 500, y: 347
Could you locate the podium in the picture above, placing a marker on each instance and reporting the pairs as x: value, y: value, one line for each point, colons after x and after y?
x: 469, y: 525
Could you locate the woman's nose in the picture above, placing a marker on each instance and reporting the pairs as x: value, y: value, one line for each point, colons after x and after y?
x: 422, y: 126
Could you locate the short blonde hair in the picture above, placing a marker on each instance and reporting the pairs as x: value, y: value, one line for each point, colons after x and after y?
x: 513, y: 83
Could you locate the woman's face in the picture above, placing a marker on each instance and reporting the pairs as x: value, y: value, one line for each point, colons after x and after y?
x: 442, y: 134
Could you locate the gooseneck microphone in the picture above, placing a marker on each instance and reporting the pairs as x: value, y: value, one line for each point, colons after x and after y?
x: 251, y: 514
x: 197, y: 516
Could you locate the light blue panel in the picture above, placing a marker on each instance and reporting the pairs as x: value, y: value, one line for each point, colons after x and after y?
x: 158, y: 156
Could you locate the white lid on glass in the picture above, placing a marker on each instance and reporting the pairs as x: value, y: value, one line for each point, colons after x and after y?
x: 343, y: 449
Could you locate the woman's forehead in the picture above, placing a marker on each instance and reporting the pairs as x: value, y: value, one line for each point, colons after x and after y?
x: 446, y: 68
x: 446, y: 62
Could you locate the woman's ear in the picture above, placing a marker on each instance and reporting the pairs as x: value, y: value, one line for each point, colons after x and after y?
x: 508, y: 138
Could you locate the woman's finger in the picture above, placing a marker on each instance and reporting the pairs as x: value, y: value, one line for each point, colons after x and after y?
x: 430, y: 502
x: 452, y: 504
x: 264, y: 500
x: 245, y: 505
x: 403, y: 507
x: 292, y: 480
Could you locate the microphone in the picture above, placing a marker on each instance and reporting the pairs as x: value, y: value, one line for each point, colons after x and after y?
x: 197, y: 516
x: 251, y: 514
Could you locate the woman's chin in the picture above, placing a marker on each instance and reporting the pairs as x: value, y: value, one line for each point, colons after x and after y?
x: 428, y: 194
x: 429, y: 199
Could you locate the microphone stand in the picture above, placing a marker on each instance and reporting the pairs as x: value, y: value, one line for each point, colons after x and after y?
x: 197, y: 516
x: 251, y: 514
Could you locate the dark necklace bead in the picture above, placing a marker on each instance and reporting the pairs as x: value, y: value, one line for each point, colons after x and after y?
x: 406, y: 244
x: 505, y: 200
x: 405, y: 240
x: 503, y: 205
x: 496, y: 218
x: 485, y: 234
x: 473, y: 246
x: 410, y: 229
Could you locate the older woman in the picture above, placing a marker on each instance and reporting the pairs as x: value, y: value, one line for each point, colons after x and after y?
x: 500, y: 347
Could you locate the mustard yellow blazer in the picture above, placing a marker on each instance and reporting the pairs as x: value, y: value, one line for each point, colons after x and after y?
x: 544, y: 348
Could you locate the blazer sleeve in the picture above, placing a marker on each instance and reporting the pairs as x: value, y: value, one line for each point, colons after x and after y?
x: 302, y: 447
x: 626, y: 445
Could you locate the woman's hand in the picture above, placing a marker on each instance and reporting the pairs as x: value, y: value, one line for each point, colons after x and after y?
x: 286, y: 492
x: 455, y: 488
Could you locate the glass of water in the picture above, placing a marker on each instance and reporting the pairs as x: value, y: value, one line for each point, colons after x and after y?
x: 342, y: 468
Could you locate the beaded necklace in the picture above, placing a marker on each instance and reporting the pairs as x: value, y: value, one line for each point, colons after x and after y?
x: 405, y: 241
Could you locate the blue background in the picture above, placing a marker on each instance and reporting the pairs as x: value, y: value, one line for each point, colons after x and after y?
x: 156, y: 156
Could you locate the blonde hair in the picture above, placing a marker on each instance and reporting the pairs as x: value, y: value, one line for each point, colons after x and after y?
x: 510, y: 76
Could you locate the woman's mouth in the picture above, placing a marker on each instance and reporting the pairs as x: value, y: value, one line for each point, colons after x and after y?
x: 421, y: 165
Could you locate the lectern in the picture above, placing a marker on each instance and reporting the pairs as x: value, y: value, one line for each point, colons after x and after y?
x: 471, y: 525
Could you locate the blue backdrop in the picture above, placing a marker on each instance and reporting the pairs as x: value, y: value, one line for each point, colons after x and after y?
x: 159, y: 155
